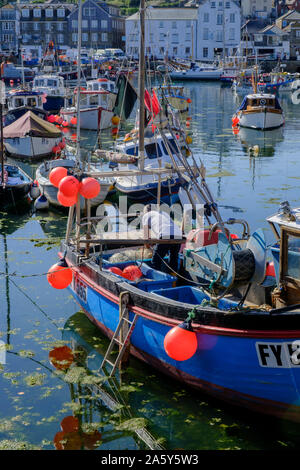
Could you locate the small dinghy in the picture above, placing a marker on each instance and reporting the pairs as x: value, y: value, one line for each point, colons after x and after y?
x: 15, y: 186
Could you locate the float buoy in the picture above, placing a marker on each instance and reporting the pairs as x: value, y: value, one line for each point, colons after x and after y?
x: 132, y: 272
x: 116, y: 270
x: 57, y: 174
x: 41, y: 203
x: 69, y: 186
x: 60, y: 275
x: 66, y: 201
x: 89, y: 188
x: 34, y: 190
x: 180, y: 342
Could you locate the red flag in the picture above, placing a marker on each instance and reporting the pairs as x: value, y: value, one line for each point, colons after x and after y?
x: 155, y: 104
x: 148, y: 101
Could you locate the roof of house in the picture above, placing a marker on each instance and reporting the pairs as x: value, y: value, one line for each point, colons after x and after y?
x: 167, y: 14
x: 291, y: 15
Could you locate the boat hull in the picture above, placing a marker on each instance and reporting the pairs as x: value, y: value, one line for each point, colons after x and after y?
x: 246, y: 367
x: 93, y: 119
x: 149, y: 192
x: 261, y: 119
x: 31, y: 148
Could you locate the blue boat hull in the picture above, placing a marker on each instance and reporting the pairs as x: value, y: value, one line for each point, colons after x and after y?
x: 256, y: 369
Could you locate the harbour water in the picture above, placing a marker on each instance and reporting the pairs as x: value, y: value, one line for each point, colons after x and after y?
x: 249, y: 173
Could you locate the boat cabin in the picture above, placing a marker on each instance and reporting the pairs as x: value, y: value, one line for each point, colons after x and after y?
x: 50, y: 84
x: 23, y: 99
x: 263, y: 100
x: 286, y: 255
x: 101, y: 84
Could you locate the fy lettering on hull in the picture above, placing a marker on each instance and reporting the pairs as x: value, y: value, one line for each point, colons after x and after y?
x: 282, y: 355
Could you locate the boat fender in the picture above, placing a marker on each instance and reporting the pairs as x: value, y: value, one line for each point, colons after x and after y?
x: 41, y: 203
x: 180, y: 343
x: 34, y: 190
x: 5, y: 176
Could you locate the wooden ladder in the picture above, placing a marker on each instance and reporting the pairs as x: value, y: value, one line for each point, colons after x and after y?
x: 121, y: 335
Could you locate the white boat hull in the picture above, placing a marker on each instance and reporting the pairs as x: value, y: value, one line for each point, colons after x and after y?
x: 93, y: 119
x: 196, y: 75
x: 30, y: 147
x: 260, y: 120
x: 50, y: 191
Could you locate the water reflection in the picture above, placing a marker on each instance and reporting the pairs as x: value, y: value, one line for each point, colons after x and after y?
x: 258, y: 143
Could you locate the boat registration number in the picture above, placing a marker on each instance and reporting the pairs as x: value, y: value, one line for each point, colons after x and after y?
x: 282, y: 355
x: 80, y: 288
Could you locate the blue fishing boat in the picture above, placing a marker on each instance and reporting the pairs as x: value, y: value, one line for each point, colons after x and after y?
x: 225, y: 321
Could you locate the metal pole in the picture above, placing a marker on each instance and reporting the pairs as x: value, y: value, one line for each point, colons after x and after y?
x: 142, y: 85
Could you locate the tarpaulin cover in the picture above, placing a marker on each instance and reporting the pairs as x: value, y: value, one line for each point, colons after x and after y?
x: 31, y: 125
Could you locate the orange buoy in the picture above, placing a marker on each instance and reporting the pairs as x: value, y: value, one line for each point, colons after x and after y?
x: 51, y: 118
x: 69, y: 186
x: 57, y: 174
x: 132, y: 272
x: 115, y: 120
x: 60, y: 275
x: 89, y: 188
x: 180, y: 342
x: 91, y: 440
x: 61, y: 357
x: 66, y: 201
x: 189, y: 100
x: 73, y: 120
x: 116, y: 270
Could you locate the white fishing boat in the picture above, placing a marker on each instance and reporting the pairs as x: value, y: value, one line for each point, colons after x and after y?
x: 20, y: 101
x: 96, y: 106
x: 259, y: 111
x: 53, y: 89
x: 197, y: 72
x: 50, y: 191
x: 30, y: 137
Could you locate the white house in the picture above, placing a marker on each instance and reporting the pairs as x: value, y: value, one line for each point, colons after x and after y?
x: 169, y: 32
x: 257, y: 8
x: 219, y: 29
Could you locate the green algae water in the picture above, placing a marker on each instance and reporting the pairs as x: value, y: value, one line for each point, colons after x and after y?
x: 249, y: 173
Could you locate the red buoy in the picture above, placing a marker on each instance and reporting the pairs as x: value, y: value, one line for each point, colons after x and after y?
x: 61, y: 357
x: 57, y: 174
x: 51, y: 118
x: 66, y: 201
x: 69, y: 186
x: 73, y: 121
x: 60, y: 275
x: 89, y: 188
x: 132, y: 272
x: 180, y: 342
x: 116, y: 270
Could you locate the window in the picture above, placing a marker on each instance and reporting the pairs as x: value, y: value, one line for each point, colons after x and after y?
x: 104, y: 24
x: 188, y: 24
x: 104, y: 37
x: 188, y: 36
x: 25, y: 13
x: 60, y: 27
x: 227, y: 5
x: 175, y: 51
x: 298, y: 34
x: 48, y: 26
x: 153, y: 150
x: 161, y: 24
x: 85, y: 37
x: 85, y: 24
x: 94, y: 37
x: 37, y: 13
x: 161, y: 36
x: 175, y: 38
x: 231, y: 34
x: 213, y: 4
x: 205, y: 34
x: 94, y: 24
x: 187, y: 50
x: 61, y: 13
x: 219, y: 18
x: 89, y: 12
x: 219, y: 36
x: 232, y: 18
x: 206, y: 18
x: 60, y: 38
x: 36, y: 26
x: 74, y: 37
x: 7, y: 25
x: 205, y: 51
x: 174, y: 24
x: 74, y: 24
x: 49, y: 13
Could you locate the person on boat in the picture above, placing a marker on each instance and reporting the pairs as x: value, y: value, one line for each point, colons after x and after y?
x: 160, y: 226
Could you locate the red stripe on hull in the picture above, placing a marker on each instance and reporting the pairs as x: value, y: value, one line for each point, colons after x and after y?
x: 211, y: 330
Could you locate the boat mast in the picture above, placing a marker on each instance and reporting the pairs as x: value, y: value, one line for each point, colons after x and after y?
x: 142, y: 86
x: 2, y: 98
x: 78, y: 79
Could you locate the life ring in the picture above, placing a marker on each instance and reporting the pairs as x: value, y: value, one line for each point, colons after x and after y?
x: 262, y: 102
